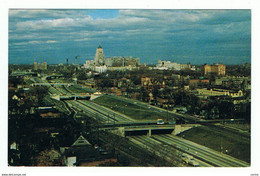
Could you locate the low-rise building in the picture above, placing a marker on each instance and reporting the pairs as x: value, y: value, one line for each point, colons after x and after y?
x: 219, y: 92
x: 48, y: 112
x: 218, y: 69
x: 131, y: 68
x: 89, y: 64
x: 117, y: 61
x: 164, y: 65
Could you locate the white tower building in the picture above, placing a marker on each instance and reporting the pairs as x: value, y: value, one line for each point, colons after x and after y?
x: 99, y: 57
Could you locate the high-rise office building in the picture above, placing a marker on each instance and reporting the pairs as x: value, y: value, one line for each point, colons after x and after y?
x: 99, y: 57
x: 35, y: 66
x: 39, y: 66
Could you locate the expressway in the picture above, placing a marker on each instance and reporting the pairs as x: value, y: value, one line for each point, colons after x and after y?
x: 100, y: 113
x: 51, y: 89
x: 164, y: 150
x: 103, y: 115
x: 103, y: 110
x: 168, y: 153
x: 90, y: 112
x: 207, y: 155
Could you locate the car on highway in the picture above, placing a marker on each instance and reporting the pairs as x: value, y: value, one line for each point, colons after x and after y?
x: 185, y: 155
x: 188, y: 159
x: 193, y: 162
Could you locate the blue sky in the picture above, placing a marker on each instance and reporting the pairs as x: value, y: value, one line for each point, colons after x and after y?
x: 196, y: 36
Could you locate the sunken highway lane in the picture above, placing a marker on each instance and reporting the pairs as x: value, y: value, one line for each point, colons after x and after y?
x: 206, y: 156
x: 203, y: 153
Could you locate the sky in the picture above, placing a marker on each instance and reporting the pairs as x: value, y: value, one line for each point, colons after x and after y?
x: 182, y: 36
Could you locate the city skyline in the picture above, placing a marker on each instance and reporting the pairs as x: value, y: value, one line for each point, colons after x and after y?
x: 196, y: 36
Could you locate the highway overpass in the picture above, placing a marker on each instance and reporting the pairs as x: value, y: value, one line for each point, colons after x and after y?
x: 52, y: 84
x: 148, y: 130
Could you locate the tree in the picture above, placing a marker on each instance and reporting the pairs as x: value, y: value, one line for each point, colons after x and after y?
x: 39, y: 93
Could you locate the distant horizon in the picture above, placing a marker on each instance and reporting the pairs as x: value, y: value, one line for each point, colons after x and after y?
x: 141, y: 63
x: 182, y: 36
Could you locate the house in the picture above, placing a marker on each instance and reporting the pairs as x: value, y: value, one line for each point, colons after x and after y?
x: 82, y: 153
x: 145, y: 81
x: 204, y: 82
x: 162, y: 101
x: 124, y: 82
x: 194, y: 82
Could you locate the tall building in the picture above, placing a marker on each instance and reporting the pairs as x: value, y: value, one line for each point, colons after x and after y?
x: 40, y: 66
x: 35, y: 66
x: 44, y: 67
x: 218, y: 69
x: 99, y: 57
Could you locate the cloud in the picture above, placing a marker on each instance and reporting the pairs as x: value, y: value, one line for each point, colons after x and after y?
x: 51, y: 41
x: 34, y: 42
x: 46, y: 13
x: 144, y: 33
x: 52, y: 23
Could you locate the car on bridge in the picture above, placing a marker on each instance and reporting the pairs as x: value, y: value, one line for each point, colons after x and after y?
x: 160, y: 122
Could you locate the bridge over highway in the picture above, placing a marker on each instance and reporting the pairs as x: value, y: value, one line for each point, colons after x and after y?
x: 52, y: 77
x: 149, y: 130
x: 72, y: 97
x: 23, y: 74
x: 52, y: 84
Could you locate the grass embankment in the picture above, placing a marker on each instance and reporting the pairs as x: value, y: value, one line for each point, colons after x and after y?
x: 129, y: 109
x: 227, y: 142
